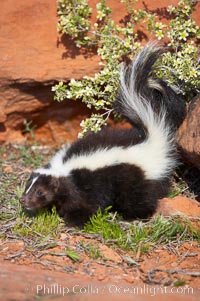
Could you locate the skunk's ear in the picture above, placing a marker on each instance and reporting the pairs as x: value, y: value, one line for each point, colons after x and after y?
x: 55, y: 183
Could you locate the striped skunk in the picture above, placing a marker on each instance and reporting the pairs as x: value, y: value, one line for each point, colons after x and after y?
x: 127, y: 169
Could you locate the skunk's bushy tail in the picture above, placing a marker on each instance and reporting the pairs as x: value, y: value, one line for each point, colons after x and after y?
x: 151, y: 105
x: 138, y: 82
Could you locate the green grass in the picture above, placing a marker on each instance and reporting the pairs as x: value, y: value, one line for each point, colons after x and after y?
x: 129, y: 236
x: 99, y: 224
x: 91, y: 250
x: 179, y: 282
x: 45, y: 223
x: 72, y: 255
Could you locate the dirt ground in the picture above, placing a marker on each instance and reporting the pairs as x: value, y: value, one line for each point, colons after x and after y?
x: 51, y: 275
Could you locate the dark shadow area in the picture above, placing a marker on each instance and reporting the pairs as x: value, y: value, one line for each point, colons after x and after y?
x: 2, y: 128
x: 49, y: 109
x: 72, y: 51
x: 125, y: 20
x: 190, y: 175
x: 162, y: 12
x: 141, y: 35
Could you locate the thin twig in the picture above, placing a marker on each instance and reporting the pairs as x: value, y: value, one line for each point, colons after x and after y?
x: 14, y: 255
x: 183, y: 272
x: 139, y: 250
x: 52, y: 254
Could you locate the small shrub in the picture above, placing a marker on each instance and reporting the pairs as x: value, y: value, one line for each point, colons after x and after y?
x: 115, y: 42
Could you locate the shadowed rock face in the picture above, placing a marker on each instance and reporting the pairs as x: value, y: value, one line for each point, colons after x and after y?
x: 188, y: 136
x: 33, y: 57
x: 55, y: 122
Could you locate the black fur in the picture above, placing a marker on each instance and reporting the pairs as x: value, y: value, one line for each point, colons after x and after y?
x: 78, y: 196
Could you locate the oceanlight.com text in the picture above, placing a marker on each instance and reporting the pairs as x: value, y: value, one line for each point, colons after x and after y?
x: 110, y: 289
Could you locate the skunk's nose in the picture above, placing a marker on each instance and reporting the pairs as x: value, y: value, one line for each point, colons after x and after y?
x: 23, y: 200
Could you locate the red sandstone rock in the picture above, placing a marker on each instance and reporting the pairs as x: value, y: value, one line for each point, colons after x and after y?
x: 188, y: 136
x: 179, y: 205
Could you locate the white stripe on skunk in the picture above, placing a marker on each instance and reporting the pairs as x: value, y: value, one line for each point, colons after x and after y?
x: 31, y: 184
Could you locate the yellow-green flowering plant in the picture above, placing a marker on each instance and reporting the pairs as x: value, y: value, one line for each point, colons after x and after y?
x: 114, y: 42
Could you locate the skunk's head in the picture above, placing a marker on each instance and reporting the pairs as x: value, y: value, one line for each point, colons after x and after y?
x: 39, y: 192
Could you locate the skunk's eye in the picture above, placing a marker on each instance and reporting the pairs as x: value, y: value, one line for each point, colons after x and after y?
x: 39, y: 193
